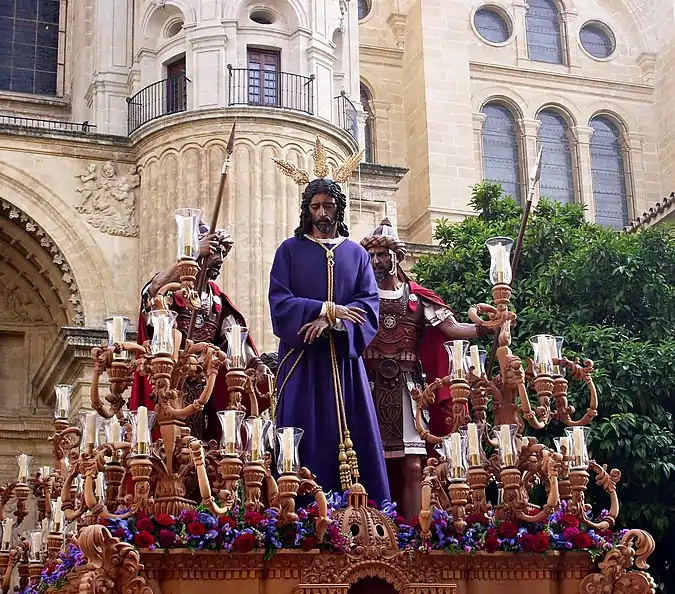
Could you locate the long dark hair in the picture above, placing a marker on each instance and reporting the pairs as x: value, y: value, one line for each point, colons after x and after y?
x: 329, y: 188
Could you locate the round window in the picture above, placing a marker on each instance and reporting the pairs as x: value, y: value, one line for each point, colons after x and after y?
x: 597, y: 39
x: 174, y: 29
x: 492, y: 25
x: 364, y: 7
x: 263, y: 17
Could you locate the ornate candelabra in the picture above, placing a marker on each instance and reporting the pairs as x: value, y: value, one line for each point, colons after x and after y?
x: 457, y: 482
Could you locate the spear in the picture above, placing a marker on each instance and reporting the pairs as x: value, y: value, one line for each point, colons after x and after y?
x: 202, y: 278
x: 535, y: 175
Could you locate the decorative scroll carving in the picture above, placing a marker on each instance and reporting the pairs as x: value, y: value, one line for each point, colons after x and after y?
x: 47, y: 243
x: 616, y: 575
x: 108, y: 200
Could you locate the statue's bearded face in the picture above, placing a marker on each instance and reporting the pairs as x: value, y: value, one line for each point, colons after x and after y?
x: 323, y: 210
x: 213, y: 266
x: 380, y: 260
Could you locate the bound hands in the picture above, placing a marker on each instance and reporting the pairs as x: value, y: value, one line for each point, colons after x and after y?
x: 311, y: 331
x: 220, y: 241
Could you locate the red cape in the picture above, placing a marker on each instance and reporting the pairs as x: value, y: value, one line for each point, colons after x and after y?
x: 434, y: 360
x: 141, y: 389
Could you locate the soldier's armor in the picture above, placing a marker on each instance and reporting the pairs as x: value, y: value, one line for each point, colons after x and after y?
x: 392, y: 363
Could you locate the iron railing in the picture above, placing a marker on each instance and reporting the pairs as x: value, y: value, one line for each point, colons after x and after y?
x: 23, y: 122
x: 271, y: 88
x: 346, y: 115
x: 156, y: 100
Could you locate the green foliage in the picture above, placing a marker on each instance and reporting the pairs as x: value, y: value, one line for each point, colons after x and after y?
x: 612, y: 296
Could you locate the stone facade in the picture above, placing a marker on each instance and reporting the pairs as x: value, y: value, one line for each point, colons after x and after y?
x: 147, y: 91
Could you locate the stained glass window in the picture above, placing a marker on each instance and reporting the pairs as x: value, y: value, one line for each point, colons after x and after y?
x: 29, y: 39
x: 557, y: 172
x: 501, y: 162
x: 544, y: 36
x: 609, y: 179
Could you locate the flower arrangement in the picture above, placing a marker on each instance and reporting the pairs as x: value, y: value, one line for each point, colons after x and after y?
x: 56, y: 572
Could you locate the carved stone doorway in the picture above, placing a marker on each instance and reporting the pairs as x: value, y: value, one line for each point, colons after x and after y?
x: 37, y: 297
x: 372, y: 585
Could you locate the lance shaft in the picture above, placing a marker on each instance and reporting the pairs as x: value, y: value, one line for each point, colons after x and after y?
x: 202, y: 276
x: 515, y: 259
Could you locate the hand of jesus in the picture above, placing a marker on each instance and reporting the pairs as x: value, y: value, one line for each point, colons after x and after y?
x: 351, y: 313
x: 310, y: 332
x: 208, y: 245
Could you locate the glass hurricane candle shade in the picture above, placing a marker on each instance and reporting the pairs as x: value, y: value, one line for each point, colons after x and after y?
x: 90, y: 424
x: 35, y: 538
x: 453, y: 448
x: 117, y: 327
x: 62, y: 405
x: 23, y: 461
x: 474, y: 449
x: 236, y: 341
x: 543, y: 356
x: 500, y: 259
x: 114, y: 432
x: 230, y: 424
x: 457, y: 350
x: 58, y: 520
x: 475, y: 361
x: 578, y: 446
x: 187, y: 220
x: 288, y: 459
x: 142, y: 421
x: 163, y: 322
x: 256, y: 433
x: 555, y: 348
x: 7, y: 525
x: 506, y: 438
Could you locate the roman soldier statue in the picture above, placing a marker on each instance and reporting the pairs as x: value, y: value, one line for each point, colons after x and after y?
x: 414, y: 324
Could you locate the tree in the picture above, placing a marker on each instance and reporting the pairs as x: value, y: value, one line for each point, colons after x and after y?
x: 612, y: 296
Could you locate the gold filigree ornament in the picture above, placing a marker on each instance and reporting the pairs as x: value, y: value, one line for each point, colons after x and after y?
x: 340, y: 174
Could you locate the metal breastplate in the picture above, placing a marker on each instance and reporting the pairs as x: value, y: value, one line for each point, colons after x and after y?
x: 206, y: 320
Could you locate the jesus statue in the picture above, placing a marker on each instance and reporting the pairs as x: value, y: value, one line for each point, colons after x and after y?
x: 325, y: 307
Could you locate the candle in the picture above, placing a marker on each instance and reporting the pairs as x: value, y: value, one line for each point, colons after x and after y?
x: 542, y: 351
x: 23, y: 468
x: 235, y: 336
x: 36, y: 543
x: 7, y: 534
x: 45, y: 530
x: 256, y: 433
x: 142, y: 418
x: 90, y: 429
x: 115, y: 431
x: 474, y: 444
x: 187, y: 236
x: 100, y: 486
x: 457, y: 357
x: 62, y: 394
x: 117, y: 329
x: 553, y: 353
x: 456, y: 441
x: 230, y: 437
x: 578, y: 445
x: 500, y: 257
x: 45, y: 472
x: 287, y: 449
x: 565, y: 445
x: 58, y: 516
x: 475, y: 360
x: 505, y: 444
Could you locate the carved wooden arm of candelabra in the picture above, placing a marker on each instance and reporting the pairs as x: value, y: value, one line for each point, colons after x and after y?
x: 9, y: 560
x: 564, y: 410
x: 578, y: 483
x: 187, y: 273
x: 18, y: 491
x: 434, y: 476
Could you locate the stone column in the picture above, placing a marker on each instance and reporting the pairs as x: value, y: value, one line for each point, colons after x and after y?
x: 636, y: 186
x: 478, y: 121
x: 529, y: 148
x: 321, y: 64
x: 571, y: 38
x: 206, y: 66
x: 582, y: 137
x: 519, y: 30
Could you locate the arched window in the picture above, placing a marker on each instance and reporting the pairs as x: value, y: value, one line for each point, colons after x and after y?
x: 369, y: 131
x: 609, y: 179
x: 501, y: 162
x: 544, y: 32
x: 557, y: 172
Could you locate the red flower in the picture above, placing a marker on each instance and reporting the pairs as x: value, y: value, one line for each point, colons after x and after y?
x: 508, y: 530
x: 570, y: 533
x: 527, y: 542
x: 371, y: 503
x: 189, y: 516
x: 491, y: 544
x: 401, y: 520
x: 196, y: 528
x: 227, y: 521
x: 144, y: 525
x: 118, y: 532
x: 492, y: 533
x: 541, y: 542
x: 308, y: 543
x: 606, y: 534
x: 582, y: 541
x: 166, y: 538
x: 164, y: 520
x: 144, y: 540
x: 415, y: 521
x: 253, y: 518
x: 569, y: 521
x: 244, y: 543
x: 476, y: 519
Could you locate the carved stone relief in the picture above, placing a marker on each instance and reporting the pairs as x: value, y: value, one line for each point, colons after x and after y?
x: 12, y: 213
x: 108, y: 200
x: 17, y: 306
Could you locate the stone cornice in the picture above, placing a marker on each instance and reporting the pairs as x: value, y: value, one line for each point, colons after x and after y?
x: 535, y: 78
x: 388, y: 172
x: 66, y: 141
x: 34, y: 428
x: 388, y: 56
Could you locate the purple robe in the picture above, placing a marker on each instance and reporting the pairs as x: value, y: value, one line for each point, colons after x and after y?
x: 298, y: 289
